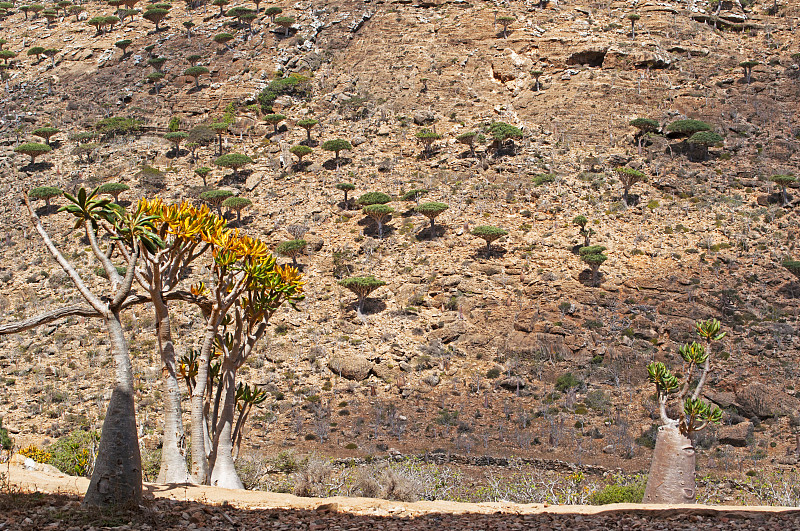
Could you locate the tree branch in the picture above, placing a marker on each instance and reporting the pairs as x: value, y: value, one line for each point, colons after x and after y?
x: 111, y: 271
x: 702, y: 382
x: 90, y: 297
x: 48, y: 317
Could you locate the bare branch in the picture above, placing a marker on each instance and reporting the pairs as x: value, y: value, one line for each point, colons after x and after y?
x: 48, y: 317
x: 90, y: 297
x: 127, y: 282
x: 88, y: 311
x: 702, y: 382
x: 111, y: 271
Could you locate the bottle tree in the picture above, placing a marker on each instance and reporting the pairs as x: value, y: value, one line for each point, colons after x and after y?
x: 672, y: 471
x: 594, y: 257
x: 488, y: 233
x: 783, y: 181
x: 361, y: 288
x: 628, y: 177
x: 117, y: 477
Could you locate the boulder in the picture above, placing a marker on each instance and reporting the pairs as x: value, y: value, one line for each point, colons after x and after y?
x: 423, y: 117
x: 735, y: 435
x: 763, y: 401
x: 350, y: 366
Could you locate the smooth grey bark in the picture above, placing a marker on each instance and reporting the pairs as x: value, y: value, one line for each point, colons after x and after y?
x: 173, y: 451
x: 671, y: 478
x: 200, y: 467
x: 117, y: 476
x: 223, y: 471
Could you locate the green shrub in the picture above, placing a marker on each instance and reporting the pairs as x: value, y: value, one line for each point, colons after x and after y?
x: 493, y: 373
x: 543, y: 178
x: 5, y: 441
x: 118, y: 125
x: 567, y: 381
x: 597, y: 399
x: 292, y: 85
x: 623, y: 491
x: 74, y: 454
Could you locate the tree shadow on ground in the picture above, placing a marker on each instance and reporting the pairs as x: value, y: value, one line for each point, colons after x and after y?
x: 47, y: 210
x: 585, y: 278
x: 371, y: 306
x: 194, y: 89
x: 234, y: 178
x: 493, y: 252
x: 32, y: 167
x: 371, y: 228
x: 301, y: 166
x: 775, y: 198
x: 429, y: 233
x: 171, y: 154
x: 633, y: 200
x: 790, y: 290
x: 334, y: 164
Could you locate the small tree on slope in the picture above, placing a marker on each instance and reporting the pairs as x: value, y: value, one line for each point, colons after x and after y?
x: 672, y: 470
x: 362, y: 287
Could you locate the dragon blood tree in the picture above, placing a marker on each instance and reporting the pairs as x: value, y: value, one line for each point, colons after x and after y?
x: 671, y: 478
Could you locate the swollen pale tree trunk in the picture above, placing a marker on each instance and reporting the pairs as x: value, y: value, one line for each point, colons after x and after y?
x: 173, y: 452
x: 117, y: 476
x: 223, y: 472
x: 671, y: 478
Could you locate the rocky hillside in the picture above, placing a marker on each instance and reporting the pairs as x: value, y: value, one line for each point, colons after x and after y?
x: 464, y: 349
